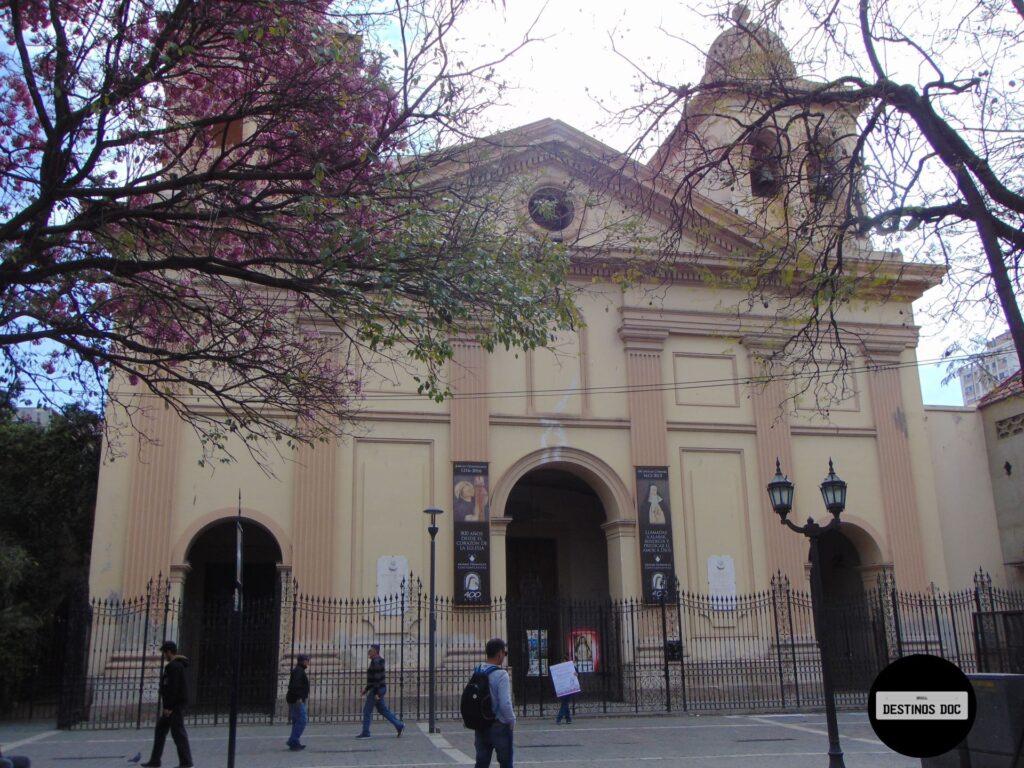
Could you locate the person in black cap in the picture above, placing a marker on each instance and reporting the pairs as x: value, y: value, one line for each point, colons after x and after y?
x: 173, y: 698
x: 298, y: 692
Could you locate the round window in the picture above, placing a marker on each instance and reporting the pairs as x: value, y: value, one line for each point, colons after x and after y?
x: 551, y: 208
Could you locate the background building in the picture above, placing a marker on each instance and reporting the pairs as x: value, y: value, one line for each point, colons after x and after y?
x: 1002, y: 413
x: 982, y: 376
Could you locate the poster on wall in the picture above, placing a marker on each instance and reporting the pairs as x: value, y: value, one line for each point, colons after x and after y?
x: 657, y: 564
x: 585, y: 650
x: 537, y: 652
x: 471, y: 511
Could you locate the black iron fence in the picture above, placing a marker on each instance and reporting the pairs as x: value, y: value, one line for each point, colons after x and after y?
x: 688, y: 653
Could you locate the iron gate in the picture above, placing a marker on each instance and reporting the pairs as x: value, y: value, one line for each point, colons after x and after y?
x: 690, y: 652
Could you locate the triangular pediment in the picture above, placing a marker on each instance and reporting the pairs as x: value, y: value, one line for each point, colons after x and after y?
x: 621, y: 204
x: 625, y: 214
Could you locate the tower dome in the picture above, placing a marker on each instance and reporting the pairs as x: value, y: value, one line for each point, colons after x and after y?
x: 748, y: 52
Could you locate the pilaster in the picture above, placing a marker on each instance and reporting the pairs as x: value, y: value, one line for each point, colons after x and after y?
x: 152, y: 499
x: 648, y: 432
x: 623, y: 563
x: 784, y: 550
x: 499, y: 562
x: 314, y: 502
x: 469, y: 409
x: 895, y: 470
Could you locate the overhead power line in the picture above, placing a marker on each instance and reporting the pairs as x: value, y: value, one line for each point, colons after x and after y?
x: 823, y: 372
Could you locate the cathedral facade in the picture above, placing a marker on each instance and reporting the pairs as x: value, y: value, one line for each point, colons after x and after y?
x: 629, y: 456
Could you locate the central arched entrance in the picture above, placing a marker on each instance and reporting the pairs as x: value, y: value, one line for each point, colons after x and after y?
x: 207, y: 615
x: 557, y: 581
x: 555, y: 543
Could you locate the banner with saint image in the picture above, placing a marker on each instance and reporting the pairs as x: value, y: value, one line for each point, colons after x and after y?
x: 657, y: 563
x: 471, y: 510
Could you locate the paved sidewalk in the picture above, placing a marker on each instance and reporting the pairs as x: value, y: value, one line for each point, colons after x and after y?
x: 663, y: 741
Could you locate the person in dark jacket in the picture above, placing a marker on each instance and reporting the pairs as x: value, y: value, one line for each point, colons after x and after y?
x: 375, y: 690
x: 173, y: 698
x: 298, y: 693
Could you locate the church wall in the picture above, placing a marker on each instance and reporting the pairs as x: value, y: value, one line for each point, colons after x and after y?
x: 925, y: 478
x: 387, y: 475
x: 391, y: 386
x: 966, y: 505
x: 847, y: 406
x: 394, y: 480
x: 201, y: 490
x: 706, y: 378
x: 856, y: 460
x: 508, y: 374
x: 715, y: 507
x: 106, y: 562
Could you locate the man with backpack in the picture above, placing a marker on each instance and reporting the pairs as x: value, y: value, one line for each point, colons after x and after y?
x: 487, y: 707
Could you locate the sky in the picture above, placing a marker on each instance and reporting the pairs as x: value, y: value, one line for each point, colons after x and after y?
x: 574, y: 74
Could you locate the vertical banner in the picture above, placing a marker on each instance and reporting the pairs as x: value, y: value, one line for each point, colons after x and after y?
x: 471, y: 509
x: 657, y: 565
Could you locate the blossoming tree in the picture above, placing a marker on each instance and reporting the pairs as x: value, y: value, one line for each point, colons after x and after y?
x: 206, y: 200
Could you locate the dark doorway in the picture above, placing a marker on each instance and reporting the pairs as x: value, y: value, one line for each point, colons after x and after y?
x: 557, y: 507
x: 854, y: 633
x: 208, y: 614
x: 557, y: 571
x: 532, y: 568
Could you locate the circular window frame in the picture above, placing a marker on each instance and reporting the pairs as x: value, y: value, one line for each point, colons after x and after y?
x: 564, y: 212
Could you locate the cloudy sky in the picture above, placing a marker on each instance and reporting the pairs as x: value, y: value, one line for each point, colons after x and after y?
x: 574, y: 74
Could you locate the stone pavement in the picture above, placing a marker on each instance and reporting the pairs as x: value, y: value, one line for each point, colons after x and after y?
x: 661, y: 741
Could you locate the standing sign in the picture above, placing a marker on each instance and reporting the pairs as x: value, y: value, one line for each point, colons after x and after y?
x: 656, y: 561
x: 471, y: 510
x: 565, y: 680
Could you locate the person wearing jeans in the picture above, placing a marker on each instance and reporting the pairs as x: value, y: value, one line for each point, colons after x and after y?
x: 298, y: 693
x: 375, y: 690
x: 498, y: 737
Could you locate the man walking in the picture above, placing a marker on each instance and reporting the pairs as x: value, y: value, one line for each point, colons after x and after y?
x: 497, y: 737
x: 173, y: 698
x: 375, y: 690
x: 298, y: 693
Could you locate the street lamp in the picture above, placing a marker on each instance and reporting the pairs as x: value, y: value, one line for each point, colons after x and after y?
x: 833, y: 492
x: 432, y: 530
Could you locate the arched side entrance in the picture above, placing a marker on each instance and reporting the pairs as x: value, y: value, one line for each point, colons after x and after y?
x: 855, y: 631
x: 207, y: 613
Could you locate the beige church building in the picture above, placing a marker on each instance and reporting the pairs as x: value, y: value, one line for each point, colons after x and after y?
x: 630, y: 455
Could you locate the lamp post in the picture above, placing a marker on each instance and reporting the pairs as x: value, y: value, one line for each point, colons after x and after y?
x: 833, y: 492
x: 432, y: 530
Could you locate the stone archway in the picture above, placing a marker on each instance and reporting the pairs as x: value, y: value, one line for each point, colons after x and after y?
x: 555, y: 542
x: 588, y: 477
x: 855, y: 639
x: 208, y: 612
